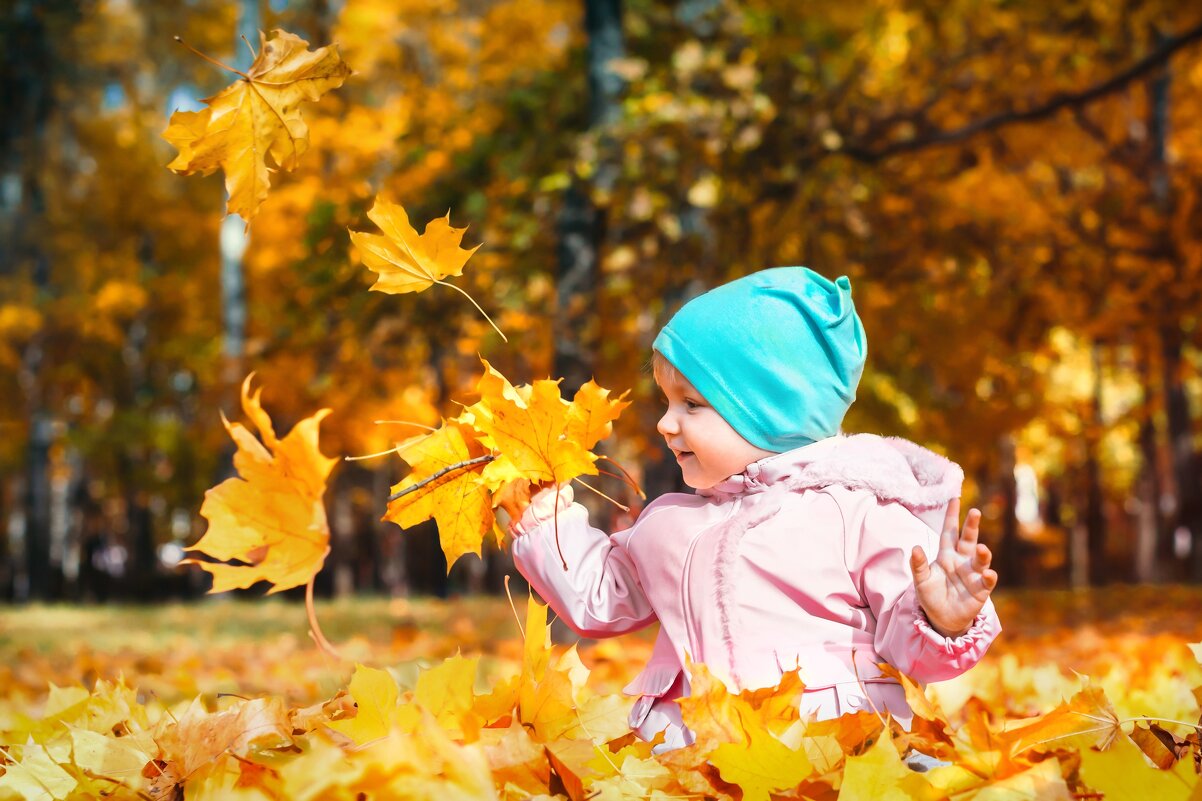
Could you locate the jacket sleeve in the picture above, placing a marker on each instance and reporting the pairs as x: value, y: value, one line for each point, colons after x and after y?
x: 599, y: 594
x: 879, y: 561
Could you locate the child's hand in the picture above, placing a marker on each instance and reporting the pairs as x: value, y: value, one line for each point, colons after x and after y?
x: 953, y: 588
x: 543, y: 506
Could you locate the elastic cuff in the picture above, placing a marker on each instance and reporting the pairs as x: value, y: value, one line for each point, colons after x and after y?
x: 955, y: 646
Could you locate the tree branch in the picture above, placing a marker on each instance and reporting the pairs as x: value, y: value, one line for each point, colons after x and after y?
x: 488, y: 457
x: 1062, y: 100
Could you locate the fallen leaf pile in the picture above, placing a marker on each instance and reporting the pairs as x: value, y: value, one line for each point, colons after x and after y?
x: 544, y: 728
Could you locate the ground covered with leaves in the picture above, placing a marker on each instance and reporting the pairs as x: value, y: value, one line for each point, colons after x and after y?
x: 230, y: 699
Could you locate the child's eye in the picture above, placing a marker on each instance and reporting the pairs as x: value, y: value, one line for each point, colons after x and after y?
x: 691, y: 404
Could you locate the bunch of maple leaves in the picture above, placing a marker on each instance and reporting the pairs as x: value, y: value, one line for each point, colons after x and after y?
x: 542, y: 732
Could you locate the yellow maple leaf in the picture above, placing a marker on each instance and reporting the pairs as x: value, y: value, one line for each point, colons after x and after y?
x: 255, y: 123
x: 553, y: 698
x: 1088, y: 712
x: 1121, y: 771
x: 36, y: 776
x: 515, y: 760
x: 455, y: 498
x: 761, y: 765
x: 592, y: 413
x: 376, y: 695
x: 121, y: 758
x: 406, y: 261
x: 272, y: 517
x: 200, y: 738
x: 494, y: 453
x: 530, y: 439
x: 717, y: 716
x: 880, y: 773
x: 446, y: 691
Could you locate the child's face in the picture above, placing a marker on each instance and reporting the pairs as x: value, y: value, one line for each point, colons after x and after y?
x: 707, y: 449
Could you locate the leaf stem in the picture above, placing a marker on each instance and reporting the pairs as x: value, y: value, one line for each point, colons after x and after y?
x: 621, y: 506
x: 477, y: 305
x: 210, y: 59
x: 369, y: 455
x: 403, y: 423
x: 514, y: 607
x: 488, y: 457
x: 314, y: 628
x: 629, y: 478
x: 555, y: 514
x: 1197, y: 725
x: 250, y: 47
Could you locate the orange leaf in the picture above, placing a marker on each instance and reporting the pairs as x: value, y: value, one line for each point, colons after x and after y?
x: 531, y: 438
x: 591, y: 414
x: 256, y: 120
x: 1087, y: 713
x: 271, y: 518
x: 405, y: 260
x: 457, y: 500
x: 409, y: 262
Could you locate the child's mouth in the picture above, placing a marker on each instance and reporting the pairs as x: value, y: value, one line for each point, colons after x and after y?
x: 682, y: 455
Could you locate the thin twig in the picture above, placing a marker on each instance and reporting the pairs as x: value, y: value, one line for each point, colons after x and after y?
x: 488, y: 457
x: 1057, y: 102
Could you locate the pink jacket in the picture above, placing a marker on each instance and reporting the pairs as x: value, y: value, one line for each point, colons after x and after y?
x: 802, y: 559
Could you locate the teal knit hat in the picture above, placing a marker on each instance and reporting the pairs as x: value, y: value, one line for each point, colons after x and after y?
x: 778, y: 354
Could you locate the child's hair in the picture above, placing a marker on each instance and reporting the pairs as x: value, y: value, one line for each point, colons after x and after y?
x: 664, y: 371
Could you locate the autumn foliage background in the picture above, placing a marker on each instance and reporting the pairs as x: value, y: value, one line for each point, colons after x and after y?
x: 1012, y: 187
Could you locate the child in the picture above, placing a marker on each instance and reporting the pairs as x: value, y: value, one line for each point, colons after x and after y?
x: 794, y: 550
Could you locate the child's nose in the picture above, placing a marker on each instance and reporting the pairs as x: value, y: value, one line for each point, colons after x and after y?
x: 667, y: 424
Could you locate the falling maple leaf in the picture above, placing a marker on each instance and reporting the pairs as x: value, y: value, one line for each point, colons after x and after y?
x: 271, y: 518
x: 406, y: 261
x: 255, y: 125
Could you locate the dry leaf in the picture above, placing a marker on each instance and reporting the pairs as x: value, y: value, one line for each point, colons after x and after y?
x: 272, y: 517
x: 255, y: 125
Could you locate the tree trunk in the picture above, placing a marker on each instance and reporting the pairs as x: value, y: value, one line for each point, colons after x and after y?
x: 27, y: 61
x: 1008, y: 562
x: 581, y: 224
x: 1153, y: 550
x: 1185, y: 463
x: 1095, y: 509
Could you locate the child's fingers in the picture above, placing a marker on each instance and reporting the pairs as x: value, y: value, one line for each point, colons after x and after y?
x: 981, y: 558
x: 989, y: 579
x: 951, y: 526
x: 919, y: 565
x: 972, y: 529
